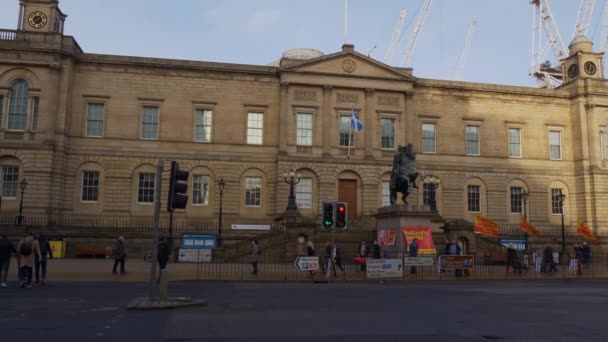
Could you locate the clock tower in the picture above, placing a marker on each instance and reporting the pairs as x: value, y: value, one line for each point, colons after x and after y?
x: 41, y: 16
x: 582, y: 62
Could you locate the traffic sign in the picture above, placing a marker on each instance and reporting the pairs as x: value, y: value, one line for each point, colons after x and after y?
x: 418, y: 261
x: 307, y: 263
x: 384, y: 268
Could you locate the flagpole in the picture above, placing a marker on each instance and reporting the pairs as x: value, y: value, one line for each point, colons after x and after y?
x: 350, y: 139
x: 345, y: 21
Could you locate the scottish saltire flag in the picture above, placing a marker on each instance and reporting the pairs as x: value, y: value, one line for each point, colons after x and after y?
x: 355, y: 122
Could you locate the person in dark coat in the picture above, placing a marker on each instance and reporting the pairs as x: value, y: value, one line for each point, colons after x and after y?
x: 7, y: 249
x: 585, y: 254
x: 413, y: 252
x: 119, y: 254
x: 163, y: 252
x: 310, y: 252
x: 513, y: 259
x: 363, y: 253
x: 338, y: 256
x: 41, y: 262
x: 548, y: 259
x: 377, y: 251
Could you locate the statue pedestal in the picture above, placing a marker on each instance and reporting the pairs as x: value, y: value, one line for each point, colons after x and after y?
x: 395, y: 217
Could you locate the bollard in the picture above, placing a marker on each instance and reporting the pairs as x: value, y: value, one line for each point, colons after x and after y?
x: 164, y: 284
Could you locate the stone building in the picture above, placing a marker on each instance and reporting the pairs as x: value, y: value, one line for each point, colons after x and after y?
x: 85, y: 130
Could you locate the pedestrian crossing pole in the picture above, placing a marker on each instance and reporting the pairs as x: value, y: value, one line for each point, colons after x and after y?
x: 154, y: 289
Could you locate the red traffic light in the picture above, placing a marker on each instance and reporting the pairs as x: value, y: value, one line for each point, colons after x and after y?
x: 341, y: 208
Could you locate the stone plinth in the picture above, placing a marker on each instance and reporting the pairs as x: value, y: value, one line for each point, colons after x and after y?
x: 399, y: 216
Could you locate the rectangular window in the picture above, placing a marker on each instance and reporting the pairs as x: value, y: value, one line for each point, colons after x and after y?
x: 35, y: 105
x: 472, y: 140
x: 555, y: 145
x: 145, y: 194
x: 95, y: 113
x: 514, y: 142
x: 427, y: 194
x: 428, y: 138
x: 556, y: 207
x: 200, y: 190
x: 149, y: 122
x: 346, y: 136
x: 304, y: 129
x: 10, y: 175
x: 90, y: 186
x: 516, y: 199
x: 388, y: 133
x: 255, y: 128
x: 253, y: 191
x: 203, y: 125
x: 304, y: 193
x: 474, y: 198
x: 386, y: 193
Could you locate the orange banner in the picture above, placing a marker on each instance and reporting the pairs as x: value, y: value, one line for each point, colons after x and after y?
x: 526, y: 227
x: 486, y: 226
x: 424, y: 236
x: 584, y: 231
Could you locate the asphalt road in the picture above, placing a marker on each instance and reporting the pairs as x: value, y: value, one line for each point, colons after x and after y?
x: 424, y: 311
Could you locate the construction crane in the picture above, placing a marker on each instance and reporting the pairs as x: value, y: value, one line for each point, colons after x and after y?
x: 547, y: 75
x: 409, y: 47
x: 604, y: 38
x: 396, y: 34
x: 467, y: 45
x: 584, y: 18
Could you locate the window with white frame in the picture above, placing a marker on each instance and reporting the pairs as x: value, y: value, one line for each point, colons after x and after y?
x: 304, y: 193
x: 35, y: 108
x: 9, y: 177
x: 149, y: 122
x: 515, y: 142
x: 386, y: 193
x: 428, y: 138
x: 200, y: 190
x: 18, y: 106
x: 203, y: 125
x: 472, y: 140
x: 95, y: 118
x: 474, y: 198
x: 387, y: 139
x: 90, y: 186
x: 556, y: 205
x: 255, y: 128
x: 304, y: 129
x: 517, y: 199
x: 555, y: 145
x: 346, y: 136
x: 253, y: 191
x: 428, y: 191
x: 145, y: 193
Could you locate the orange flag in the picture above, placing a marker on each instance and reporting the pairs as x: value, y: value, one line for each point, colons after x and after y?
x: 583, y: 230
x: 485, y: 226
x: 526, y: 227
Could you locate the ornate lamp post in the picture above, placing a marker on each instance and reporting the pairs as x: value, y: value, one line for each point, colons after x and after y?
x: 22, y: 185
x: 561, y: 198
x: 220, y: 186
x: 292, y: 178
x: 432, y: 183
x: 524, y: 198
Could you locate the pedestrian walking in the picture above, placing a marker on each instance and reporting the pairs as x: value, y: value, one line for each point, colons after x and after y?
x: 27, y: 249
x: 363, y: 253
x: 513, y: 259
x: 119, y: 254
x: 575, y: 263
x: 310, y: 252
x: 41, y: 261
x: 413, y: 253
x: 585, y: 254
x: 329, y: 250
x: 338, y: 256
x: 163, y: 251
x: 7, y: 249
x: 377, y: 251
x: 256, y: 252
x: 548, y: 263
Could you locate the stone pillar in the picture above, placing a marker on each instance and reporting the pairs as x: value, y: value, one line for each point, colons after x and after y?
x: 369, y: 127
x: 328, y: 119
x: 284, y: 118
x: 20, y: 19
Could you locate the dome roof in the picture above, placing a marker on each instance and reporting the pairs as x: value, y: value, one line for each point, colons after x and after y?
x: 302, y: 54
x: 580, y: 38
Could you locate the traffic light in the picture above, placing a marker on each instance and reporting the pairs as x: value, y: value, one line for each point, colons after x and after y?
x: 178, y: 188
x: 341, y: 215
x: 327, y: 218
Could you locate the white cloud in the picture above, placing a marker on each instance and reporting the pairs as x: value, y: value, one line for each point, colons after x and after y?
x: 263, y: 18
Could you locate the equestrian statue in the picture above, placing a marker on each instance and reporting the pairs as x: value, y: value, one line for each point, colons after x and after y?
x: 404, y: 174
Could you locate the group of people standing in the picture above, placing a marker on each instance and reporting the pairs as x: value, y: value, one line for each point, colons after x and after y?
x: 32, y: 253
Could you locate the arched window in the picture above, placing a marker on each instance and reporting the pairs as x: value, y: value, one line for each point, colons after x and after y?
x: 18, y: 106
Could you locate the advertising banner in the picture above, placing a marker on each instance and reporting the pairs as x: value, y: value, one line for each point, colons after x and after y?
x: 456, y: 262
x: 424, y: 236
x: 418, y: 261
x: 194, y: 255
x: 57, y: 248
x: 384, y: 268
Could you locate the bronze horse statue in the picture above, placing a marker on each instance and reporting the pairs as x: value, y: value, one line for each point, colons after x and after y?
x: 404, y: 174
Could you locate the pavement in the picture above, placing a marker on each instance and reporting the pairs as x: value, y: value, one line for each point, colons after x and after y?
x: 262, y: 311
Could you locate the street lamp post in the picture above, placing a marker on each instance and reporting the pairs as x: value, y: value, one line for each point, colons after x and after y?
x: 22, y: 185
x: 433, y: 183
x: 524, y: 198
x: 220, y: 186
x: 562, y: 197
x: 292, y: 178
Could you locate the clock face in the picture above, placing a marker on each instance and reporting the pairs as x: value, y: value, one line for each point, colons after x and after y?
x: 590, y: 68
x: 37, y: 19
x: 573, y: 71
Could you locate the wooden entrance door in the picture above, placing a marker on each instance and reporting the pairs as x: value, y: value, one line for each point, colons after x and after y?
x: 347, y: 192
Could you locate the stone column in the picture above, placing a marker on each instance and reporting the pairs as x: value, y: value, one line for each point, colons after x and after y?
x: 328, y: 120
x: 369, y: 126
x: 284, y: 118
x: 20, y: 20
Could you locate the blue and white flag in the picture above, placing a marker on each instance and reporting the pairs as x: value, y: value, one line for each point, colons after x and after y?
x: 355, y: 122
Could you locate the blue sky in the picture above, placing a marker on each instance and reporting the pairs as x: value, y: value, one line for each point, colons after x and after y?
x: 258, y: 31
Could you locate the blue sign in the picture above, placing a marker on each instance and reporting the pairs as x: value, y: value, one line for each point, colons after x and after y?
x: 199, y: 241
x: 520, y: 244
